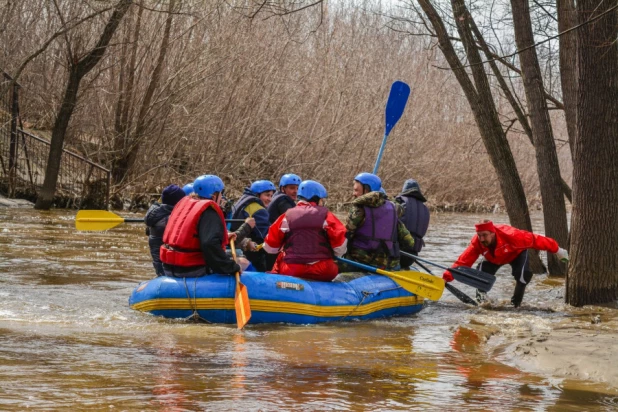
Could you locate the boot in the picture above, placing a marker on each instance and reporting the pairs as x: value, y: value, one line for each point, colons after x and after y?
x: 481, y: 296
x: 518, y: 295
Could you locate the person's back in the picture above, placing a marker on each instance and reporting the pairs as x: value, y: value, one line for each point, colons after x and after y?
x: 156, y: 221
x: 310, y: 235
x: 415, y: 216
x: 195, y: 238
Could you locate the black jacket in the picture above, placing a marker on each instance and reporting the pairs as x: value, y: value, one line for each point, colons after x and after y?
x: 156, y: 220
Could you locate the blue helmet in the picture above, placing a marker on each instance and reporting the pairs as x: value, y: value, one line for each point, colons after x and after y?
x: 188, y: 188
x: 310, y: 189
x: 260, y: 186
x: 206, y: 185
x: 370, y: 180
x: 289, y: 179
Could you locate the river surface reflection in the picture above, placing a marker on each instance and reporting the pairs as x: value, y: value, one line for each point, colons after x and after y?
x: 69, y: 340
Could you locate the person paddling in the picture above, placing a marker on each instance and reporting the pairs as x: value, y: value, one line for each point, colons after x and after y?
x: 195, y: 237
x: 503, y: 244
x: 156, y: 221
x: 309, y: 235
x: 374, y: 230
x: 415, y: 217
x: 253, y: 204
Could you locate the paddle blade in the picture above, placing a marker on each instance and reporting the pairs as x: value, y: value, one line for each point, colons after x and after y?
x: 241, y: 304
x: 96, y: 220
x: 460, y: 295
x: 419, y: 283
x: 475, y: 278
x: 396, y: 104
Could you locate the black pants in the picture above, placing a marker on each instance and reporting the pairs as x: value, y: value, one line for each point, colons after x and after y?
x: 520, y: 270
x: 257, y: 259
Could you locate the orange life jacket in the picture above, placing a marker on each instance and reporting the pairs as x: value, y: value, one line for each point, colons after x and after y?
x: 181, y: 242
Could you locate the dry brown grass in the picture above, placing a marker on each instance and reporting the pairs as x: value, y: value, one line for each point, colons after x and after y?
x: 248, y: 99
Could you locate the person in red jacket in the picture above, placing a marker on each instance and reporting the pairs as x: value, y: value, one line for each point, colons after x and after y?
x: 503, y: 244
x: 309, y: 234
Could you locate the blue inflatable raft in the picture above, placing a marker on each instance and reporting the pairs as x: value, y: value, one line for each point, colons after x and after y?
x: 275, y: 298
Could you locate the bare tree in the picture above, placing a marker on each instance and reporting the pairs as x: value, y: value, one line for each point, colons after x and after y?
x: 78, y: 68
x: 592, y: 274
x: 127, y: 143
x: 568, y: 65
x: 482, y: 104
x: 554, y: 209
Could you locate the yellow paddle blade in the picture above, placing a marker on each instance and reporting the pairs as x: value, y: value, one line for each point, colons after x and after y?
x: 241, y: 304
x: 421, y: 284
x: 96, y: 220
x: 241, y: 297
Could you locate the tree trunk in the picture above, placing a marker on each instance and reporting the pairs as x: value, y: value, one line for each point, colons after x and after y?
x: 568, y: 65
x: 592, y: 277
x: 548, y: 169
x: 519, y: 112
x: 77, y: 72
x: 485, y: 114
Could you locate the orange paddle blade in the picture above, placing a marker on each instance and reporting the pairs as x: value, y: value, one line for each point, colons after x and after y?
x: 241, y: 297
x: 241, y: 304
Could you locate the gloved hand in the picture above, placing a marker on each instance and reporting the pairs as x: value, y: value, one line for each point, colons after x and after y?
x: 447, y: 276
x: 563, y: 255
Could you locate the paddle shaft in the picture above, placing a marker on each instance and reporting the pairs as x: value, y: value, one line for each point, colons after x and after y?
x: 439, y: 266
x: 382, y: 146
x: 129, y: 220
x: 456, y: 292
x: 420, y: 284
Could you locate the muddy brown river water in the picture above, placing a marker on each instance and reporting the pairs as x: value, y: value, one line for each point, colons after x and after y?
x: 69, y: 340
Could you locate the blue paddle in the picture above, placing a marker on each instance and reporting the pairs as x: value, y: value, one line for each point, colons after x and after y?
x: 395, y: 106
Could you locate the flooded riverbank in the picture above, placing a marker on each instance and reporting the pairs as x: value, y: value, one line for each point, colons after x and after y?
x: 68, y: 339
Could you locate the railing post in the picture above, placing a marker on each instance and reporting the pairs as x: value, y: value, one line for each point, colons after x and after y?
x: 109, y: 188
x: 13, y: 145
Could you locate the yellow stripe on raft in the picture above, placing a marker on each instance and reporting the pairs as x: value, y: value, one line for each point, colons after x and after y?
x: 276, y: 306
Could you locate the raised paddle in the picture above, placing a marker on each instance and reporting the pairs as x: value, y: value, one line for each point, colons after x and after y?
x: 456, y: 292
x: 98, y: 220
x: 468, y: 276
x: 395, y: 105
x: 421, y: 284
x: 241, y: 297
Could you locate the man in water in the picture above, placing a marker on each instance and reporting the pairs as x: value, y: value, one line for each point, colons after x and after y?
x: 503, y: 244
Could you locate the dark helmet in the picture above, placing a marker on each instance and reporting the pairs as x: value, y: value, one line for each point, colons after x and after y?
x: 413, y: 189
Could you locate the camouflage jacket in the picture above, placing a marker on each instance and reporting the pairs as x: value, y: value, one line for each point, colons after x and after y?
x: 356, y: 217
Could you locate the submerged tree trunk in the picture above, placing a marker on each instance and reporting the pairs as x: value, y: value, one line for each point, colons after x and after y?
x: 548, y: 169
x: 593, y: 277
x: 77, y: 72
x: 483, y: 107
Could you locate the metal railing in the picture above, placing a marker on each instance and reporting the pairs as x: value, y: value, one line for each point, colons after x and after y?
x: 23, y: 160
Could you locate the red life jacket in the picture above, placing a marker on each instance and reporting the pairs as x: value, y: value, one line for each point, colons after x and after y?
x: 306, y: 242
x: 181, y: 242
